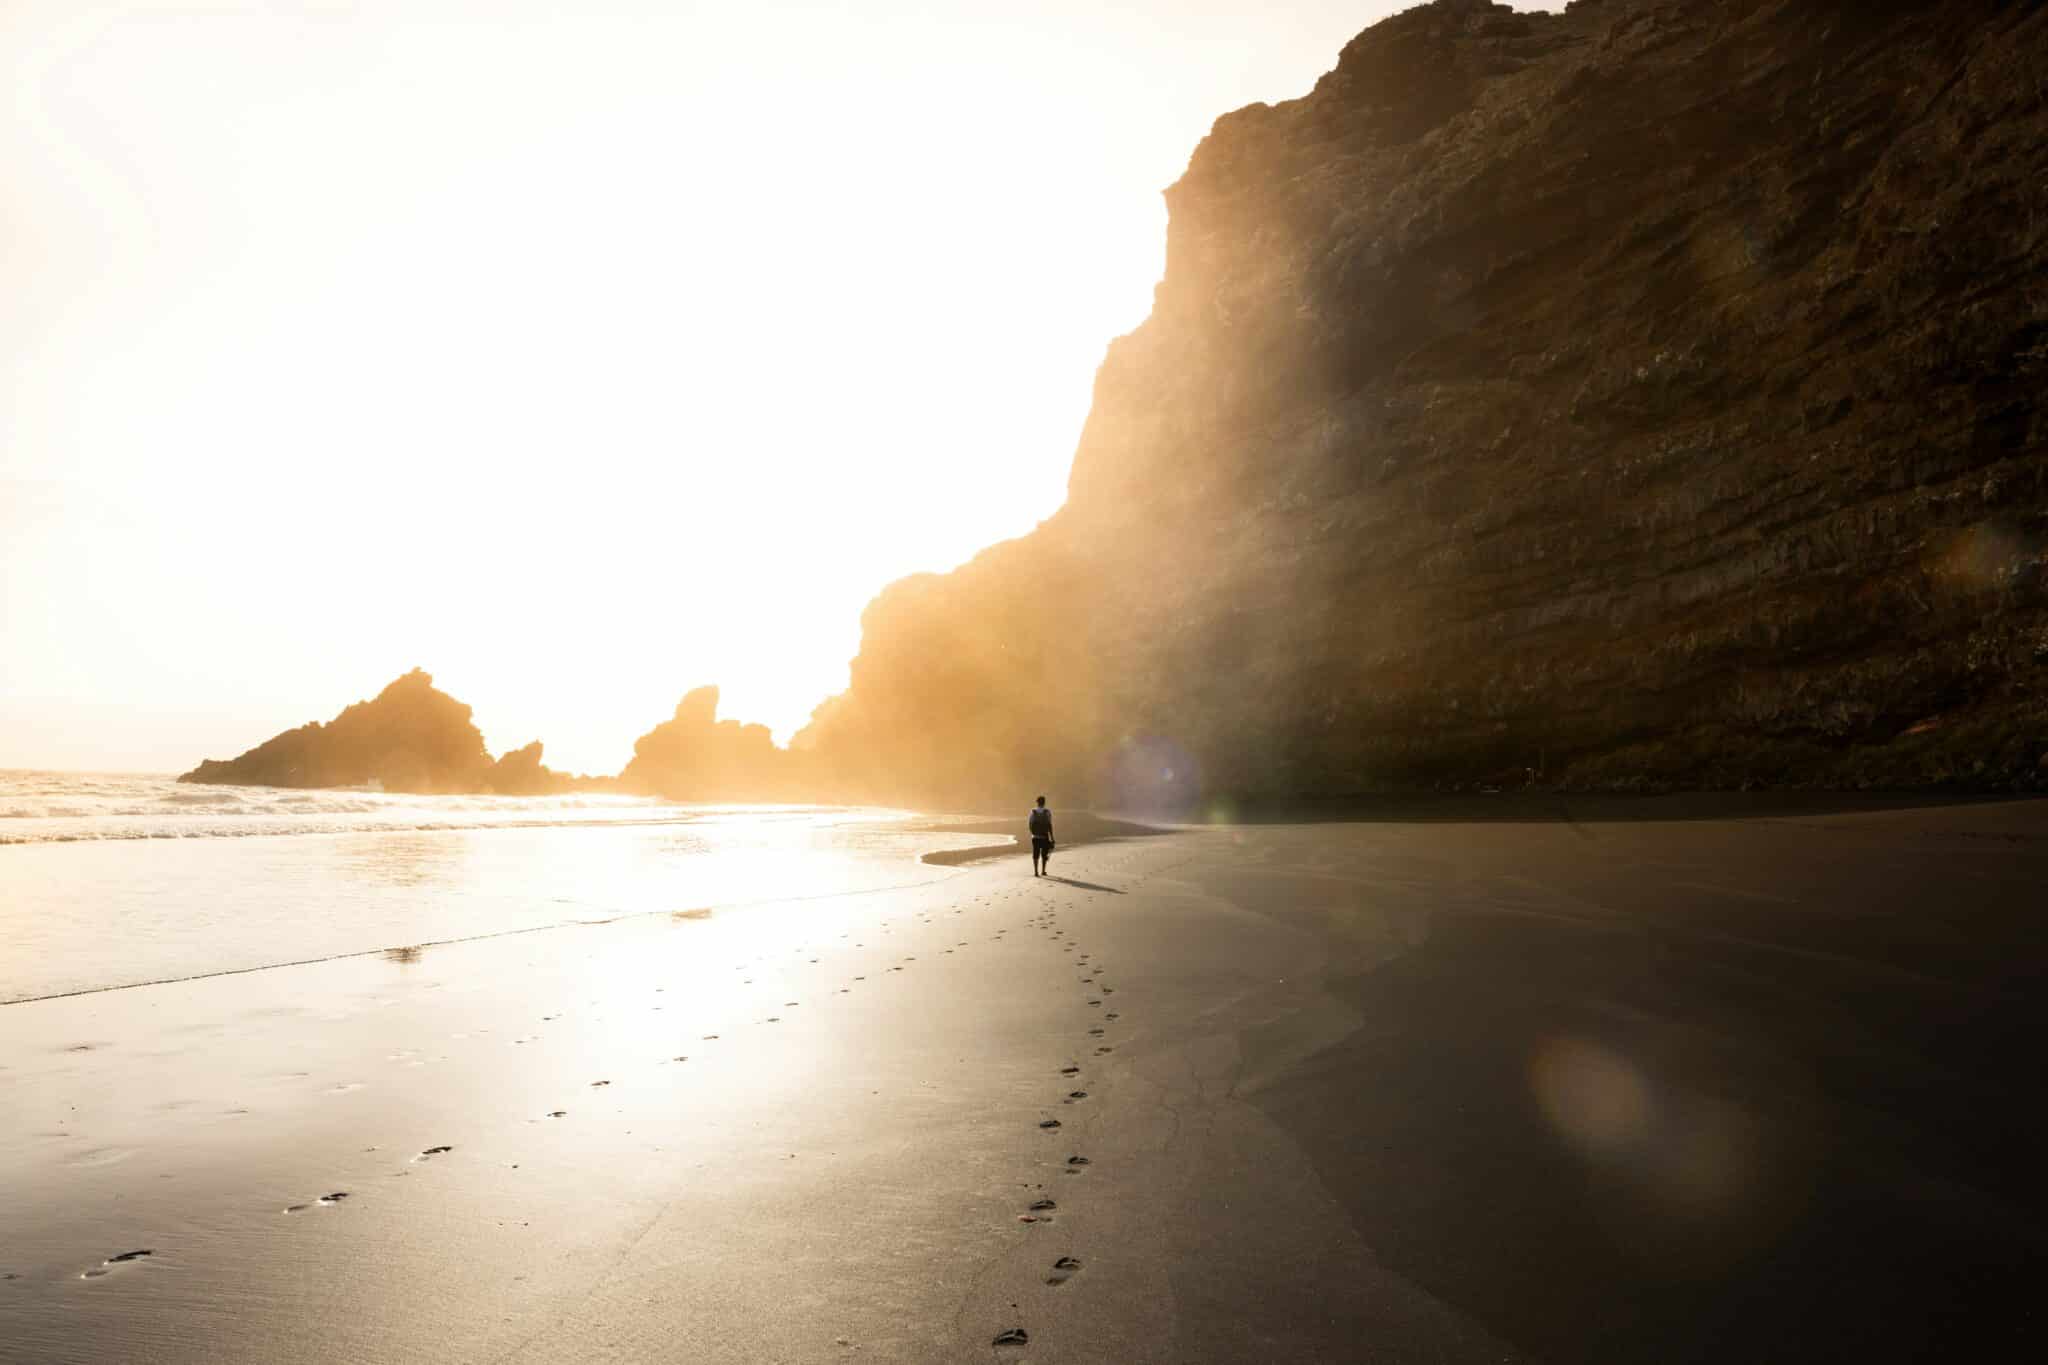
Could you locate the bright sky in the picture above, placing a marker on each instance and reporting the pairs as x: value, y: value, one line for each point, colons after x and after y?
x: 581, y: 353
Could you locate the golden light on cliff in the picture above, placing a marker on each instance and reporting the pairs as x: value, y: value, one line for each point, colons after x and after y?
x: 584, y: 354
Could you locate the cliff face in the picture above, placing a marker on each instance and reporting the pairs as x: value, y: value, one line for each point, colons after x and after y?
x: 411, y: 737
x: 1645, y: 395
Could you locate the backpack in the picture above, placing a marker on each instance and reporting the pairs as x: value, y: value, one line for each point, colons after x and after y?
x: 1041, y: 820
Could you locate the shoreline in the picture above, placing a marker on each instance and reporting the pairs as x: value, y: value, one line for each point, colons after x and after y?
x: 224, y: 890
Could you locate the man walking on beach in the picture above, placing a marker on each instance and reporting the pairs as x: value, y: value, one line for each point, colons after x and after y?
x: 1041, y: 838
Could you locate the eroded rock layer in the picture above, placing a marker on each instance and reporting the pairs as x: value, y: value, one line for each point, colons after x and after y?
x: 1644, y: 395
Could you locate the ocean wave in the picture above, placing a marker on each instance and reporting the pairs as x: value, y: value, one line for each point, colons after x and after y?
x: 270, y: 829
x: 47, y: 808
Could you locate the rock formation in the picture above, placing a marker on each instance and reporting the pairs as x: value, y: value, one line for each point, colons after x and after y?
x: 411, y: 737
x: 519, y: 772
x: 1644, y: 395
x: 415, y: 738
x: 694, y: 756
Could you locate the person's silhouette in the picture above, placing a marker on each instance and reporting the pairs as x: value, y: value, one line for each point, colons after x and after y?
x: 1041, y: 838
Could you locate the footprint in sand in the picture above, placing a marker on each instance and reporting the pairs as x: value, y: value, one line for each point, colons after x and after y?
x: 325, y: 1201
x: 102, y: 1156
x: 684, y: 1058
x: 1073, y: 1095
x: 1112, y: 1015
x: 1075, y: 1163
x: 432, y: 1152
x: 112, y: 1261
x: 710, y: 1037
x: 1095, y: 1033
x: 1099, y: 1051
x: 1048, y: 1123
x: 1015, y: 1336
x: 595, y: 1084
x: 1063, y: 1270
x: 1070, y: 1071
x: 1042, y: 1206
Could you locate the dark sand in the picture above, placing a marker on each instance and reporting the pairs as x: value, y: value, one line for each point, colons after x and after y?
x: 1706, y: 1090
x: 1714, y: 1089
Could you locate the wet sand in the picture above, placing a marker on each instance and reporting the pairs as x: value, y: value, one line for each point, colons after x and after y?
x: 1708, y: 1089
x: 1076, y: 830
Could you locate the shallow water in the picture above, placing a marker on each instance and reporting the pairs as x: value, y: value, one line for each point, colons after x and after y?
x: 112, y: 880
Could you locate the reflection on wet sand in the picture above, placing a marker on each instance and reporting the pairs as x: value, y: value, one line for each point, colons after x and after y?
x: 424, y: 859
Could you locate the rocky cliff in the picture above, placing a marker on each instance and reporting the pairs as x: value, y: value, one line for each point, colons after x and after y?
x: 1645, y: 395
x: 411, y: 737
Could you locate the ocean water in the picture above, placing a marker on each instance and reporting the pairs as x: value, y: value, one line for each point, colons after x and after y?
x: 110, y: 880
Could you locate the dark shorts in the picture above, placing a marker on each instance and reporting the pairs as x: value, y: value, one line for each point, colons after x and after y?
x: 1041, y: 843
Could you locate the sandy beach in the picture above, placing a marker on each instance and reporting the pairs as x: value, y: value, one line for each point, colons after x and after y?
x: 547, y: 550
x: 1433, y: 1090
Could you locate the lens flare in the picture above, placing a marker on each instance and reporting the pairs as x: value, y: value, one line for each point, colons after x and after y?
x: 1154, y: 775
x: 1594, y: 1097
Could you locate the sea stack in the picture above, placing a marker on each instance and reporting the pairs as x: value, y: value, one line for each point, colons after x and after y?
x: 411, y: 737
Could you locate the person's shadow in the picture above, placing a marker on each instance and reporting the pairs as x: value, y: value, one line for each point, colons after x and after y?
x: 1085, y: 886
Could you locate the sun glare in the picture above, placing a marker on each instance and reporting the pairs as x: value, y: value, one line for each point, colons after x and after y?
x: 581, y: 355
